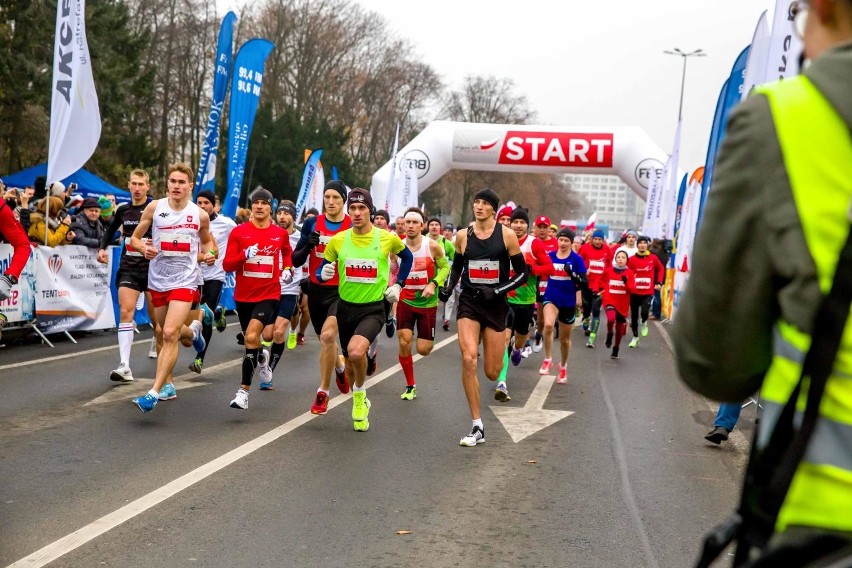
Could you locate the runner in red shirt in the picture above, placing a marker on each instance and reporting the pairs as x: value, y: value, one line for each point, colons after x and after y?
x: 13, y: 232
x: 594, y: 255
x: 649, y: 274
x: 542, y: 232
x: 618, y: 285
x: 258, y: 251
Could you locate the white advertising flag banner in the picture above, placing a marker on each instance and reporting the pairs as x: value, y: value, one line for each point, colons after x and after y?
x: 684, y: 240
x: 392, y: 178
x: 407, y: 194
x: 75, y: 119
x: 653, y: 205
x: 315, y: 198
x: 73, y: 290
x: 671, y: 188
x: 785, y: 45
x: 20, y: 306
x: 758, y: 55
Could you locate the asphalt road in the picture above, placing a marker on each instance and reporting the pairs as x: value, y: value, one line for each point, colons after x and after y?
x: 625, y: 480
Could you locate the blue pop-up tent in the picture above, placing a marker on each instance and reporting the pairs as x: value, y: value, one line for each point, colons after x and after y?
x: 88, y: 184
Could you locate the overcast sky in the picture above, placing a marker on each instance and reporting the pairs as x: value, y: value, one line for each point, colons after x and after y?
x: 587, y: 63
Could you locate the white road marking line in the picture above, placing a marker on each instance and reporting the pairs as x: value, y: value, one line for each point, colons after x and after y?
x: 75, y: 354
x: 108, y: 522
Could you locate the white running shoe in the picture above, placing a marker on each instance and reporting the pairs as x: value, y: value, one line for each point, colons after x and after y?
x: 264, y: 373
x: 526, y: 352
x: 538, y: 345
x: 476, y: 436
x: 121, y: 374
x: 240, y: 400
x: 152, y: 351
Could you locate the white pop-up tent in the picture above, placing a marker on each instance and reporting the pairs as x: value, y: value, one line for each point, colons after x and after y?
x: 627, y: 152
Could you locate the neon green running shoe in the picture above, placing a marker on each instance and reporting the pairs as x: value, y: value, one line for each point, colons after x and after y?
x: 291, y: 340
x: 634, y: 342
x: 409, y: 394
x: 360, y: 406
x: 196, y: 365
x: 645, y: 329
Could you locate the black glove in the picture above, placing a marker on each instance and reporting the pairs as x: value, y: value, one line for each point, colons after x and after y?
x: 444, y: 294
x: 313, y: 239
x: 488, y: 293
x: 624, y: 279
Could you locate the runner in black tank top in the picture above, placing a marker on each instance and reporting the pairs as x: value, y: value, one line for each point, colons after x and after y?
x: 483, y: 256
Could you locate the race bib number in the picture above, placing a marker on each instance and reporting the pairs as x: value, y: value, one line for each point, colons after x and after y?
x: 484, y: 271
x: 259, y: 267
x: 175, y: 244
x: 596, y: 266
x: 417, y: 280
x: 129, y: 250
x: 542, y: 286
x: 560, y: 273
x: 361, y: 270
x: 643, y: 283
x: 320, y: 250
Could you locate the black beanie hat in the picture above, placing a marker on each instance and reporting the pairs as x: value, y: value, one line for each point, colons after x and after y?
x: 521, y: 213
x: 566, y: 232
x: 337, y: 186
x: 435, y: 219
x: 384, y: 214
x: 260, y: 193
x: 206, y: 194
x: 489, y: 196
x: 643, y: 238
x: 361, y: 195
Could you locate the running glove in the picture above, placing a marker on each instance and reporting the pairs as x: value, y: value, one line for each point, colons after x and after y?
x: 251, y: 251
x: 392, y: 293
x: 327, y: 271
x: 313, y: 239
x: 444, y: 294
x: 286, y: 276
x: 5, y: 287
x: 488, y: 293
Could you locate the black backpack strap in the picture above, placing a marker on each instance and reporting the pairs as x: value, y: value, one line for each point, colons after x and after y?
x: 771, y: 470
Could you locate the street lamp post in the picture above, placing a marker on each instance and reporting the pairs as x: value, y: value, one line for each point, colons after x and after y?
x: 685, y: 56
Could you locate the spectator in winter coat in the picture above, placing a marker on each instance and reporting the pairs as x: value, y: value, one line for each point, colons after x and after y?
x: 87, y: 227
x: 58, y: 232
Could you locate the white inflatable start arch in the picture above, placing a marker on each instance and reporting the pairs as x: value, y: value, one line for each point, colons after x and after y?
x: 627, y: 152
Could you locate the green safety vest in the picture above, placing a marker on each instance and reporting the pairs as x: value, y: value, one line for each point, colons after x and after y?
x: 364, y: 271
x: 817, y: 150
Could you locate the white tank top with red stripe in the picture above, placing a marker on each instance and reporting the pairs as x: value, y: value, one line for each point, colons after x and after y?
x: 175, y: 236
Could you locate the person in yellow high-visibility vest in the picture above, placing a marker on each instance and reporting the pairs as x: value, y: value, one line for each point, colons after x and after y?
x: 777, y: 216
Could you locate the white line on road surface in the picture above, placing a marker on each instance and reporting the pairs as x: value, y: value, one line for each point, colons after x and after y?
x: 75, y: 354
x: 108, y: 522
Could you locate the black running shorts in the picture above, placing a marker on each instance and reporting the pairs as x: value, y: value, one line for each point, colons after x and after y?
x: 322, y: 303
x: 366, y: 320
x: 489, y: 314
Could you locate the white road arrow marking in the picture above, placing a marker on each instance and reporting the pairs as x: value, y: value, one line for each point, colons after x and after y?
x: 523, y: 422
x: 138, y: 387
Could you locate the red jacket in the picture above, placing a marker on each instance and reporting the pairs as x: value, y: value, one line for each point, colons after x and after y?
x: 596, y: 260
x: 648, y: 271
x: 13, y: 232
x: 618, y: 285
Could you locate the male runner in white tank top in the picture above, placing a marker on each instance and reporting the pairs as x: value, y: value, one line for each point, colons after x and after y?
x: 181, y: 239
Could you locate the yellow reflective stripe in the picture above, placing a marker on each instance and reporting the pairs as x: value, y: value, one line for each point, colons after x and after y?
x: 819, y: 497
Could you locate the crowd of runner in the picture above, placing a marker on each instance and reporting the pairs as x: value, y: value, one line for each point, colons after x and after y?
x: 352, y: 274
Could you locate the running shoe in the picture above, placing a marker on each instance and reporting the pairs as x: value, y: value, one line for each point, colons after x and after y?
x: 320, y: 405
x: 546, y: 365
x: 390, y: 327
x: 340, y: 377
x: 241, y: 338
x: 516, y: 357
x: 587, y: 333
x: 446, y: 325
x: 539, y: 343
x: 501, y: 393
x: 219, y: 316
x: 291, y: 340
x: 152, y: 351
x: 264, y: 373
x: 644, y: 329
x: 476, y: 436
x: 145, y: 403
x: 121, y: 374
x: 168, y: 392
x: 198, y: 342
x: 197, y: 365
x: 614, y: 353
x: 300, y: 338
x: 360, y: 411
x: 371, y: 365
x: 634, y: 342
x: 608, y: 340
x: 526, y: 351
x: 563, y: 374
x: 590, y: 343
x: 240, y: 401
x: 410, y: 393
x: 586, y: 324
x: 206, y: 315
